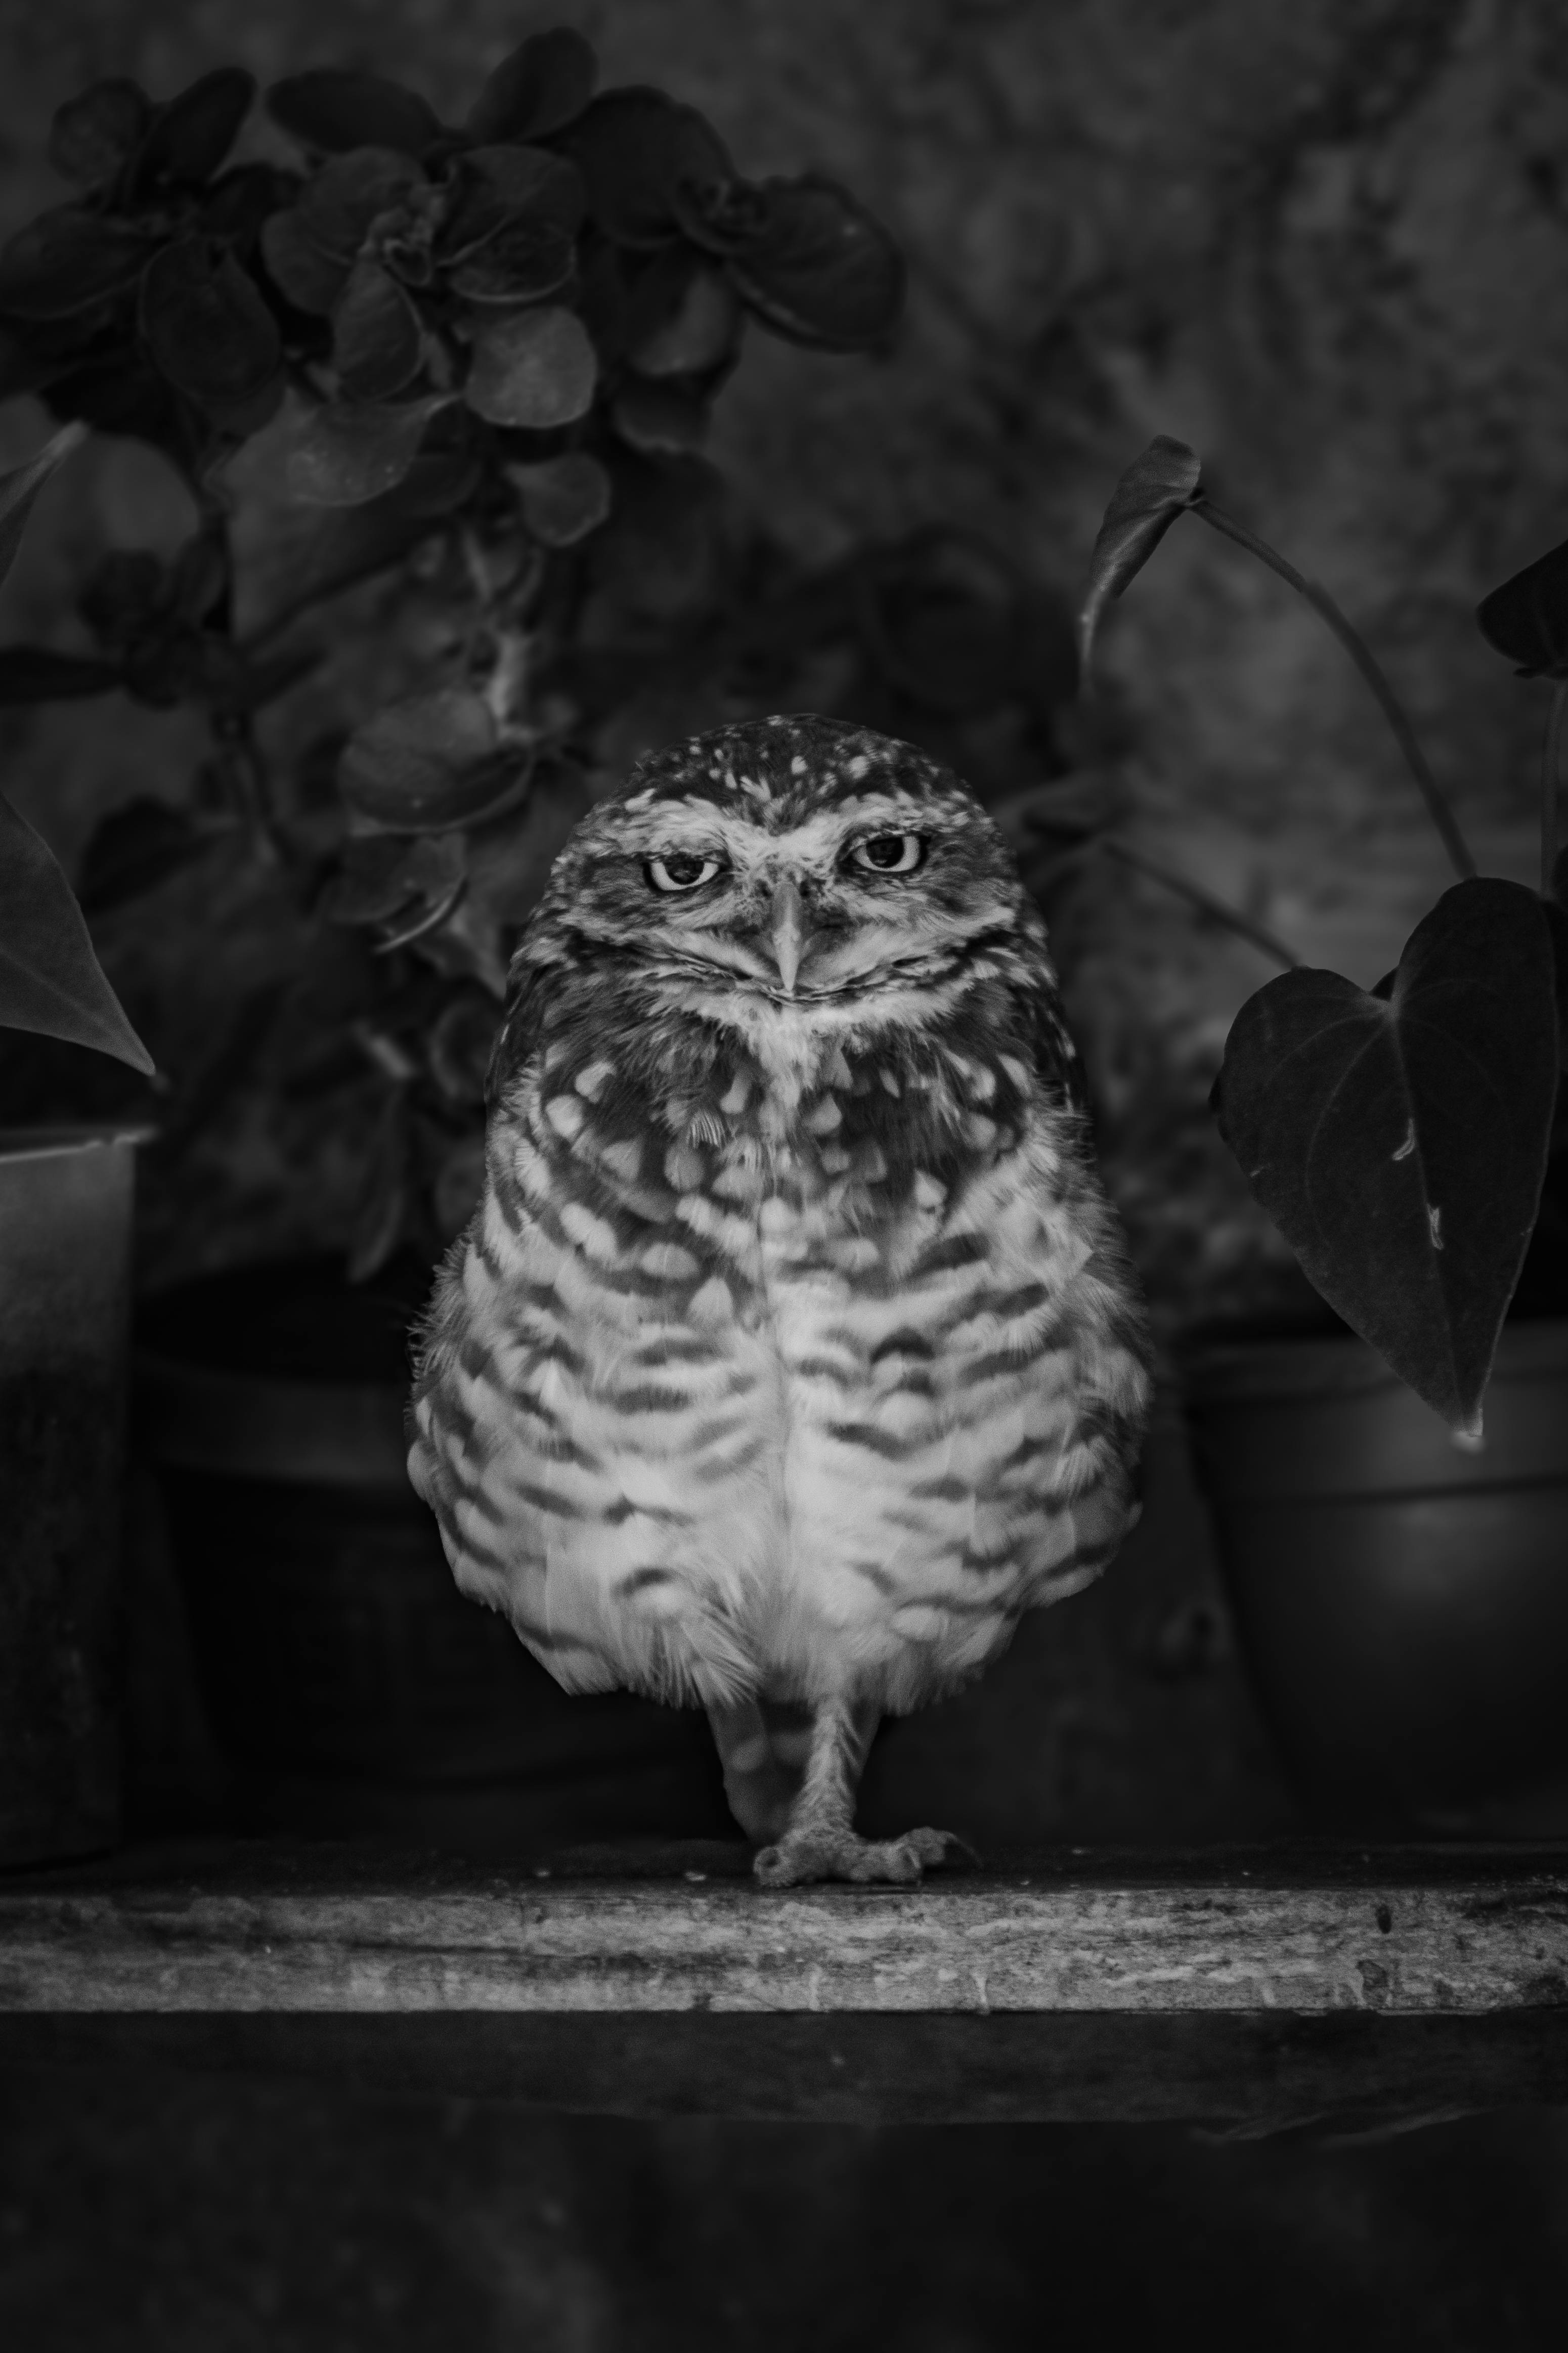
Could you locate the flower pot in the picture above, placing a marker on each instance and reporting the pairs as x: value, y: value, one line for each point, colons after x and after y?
x: 1401, y: 1599
x: 65, y: 1288
x: 350, y: 1685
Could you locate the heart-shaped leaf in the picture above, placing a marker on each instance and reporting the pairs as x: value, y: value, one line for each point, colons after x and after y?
x: 20, y: 487
x: 343, y: 456
x: 430, y: 764
x: 1527, y: 617
x: 562, y: 499
x: 818, y: 269
x: 659, y: 419
x: 532, y: 370
x: 636, y: 150
x: 50, y: 979
x: 94, y: 136
x: 35, y: 674
x: 191, y: 135
x: 491, y: 188
x: 540, y: 88
x: 335, y: 110
x: 1399, y: 1145
x: 68, y: 260
x: 1144, y: 504
x: 208, y: 329
x: 310, y: 279
x: 522, y: 263
x: 378, y: 345
x: 693, y: 331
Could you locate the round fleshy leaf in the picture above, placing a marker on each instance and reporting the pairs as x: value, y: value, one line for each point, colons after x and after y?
x: 428, y: 765
x: 68, y: 260
x: 818, y: 269
x: 345, y: 456
x: 1527, y: 617
x: 305, y: 276
x: 94, y: 136
x: 242, y: 200
x: 382, y: 876
x: 191, y: 136
x: 350, y: 192
x: 1399, y: 1144
x: 493, y: 187
x: 50, y: 979
x: 209, y: 331
x: 378, y: 345
x: 335, y: 110
x: 659, y: 419
x: 522, y: 263
x: 1156, y: 488
x: 540, y: 88
x: 532, y: 370
x: 636, y: 150
x: 698, y: 333
x: 562, y: 499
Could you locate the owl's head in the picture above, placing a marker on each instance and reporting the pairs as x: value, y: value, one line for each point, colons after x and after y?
x: 797, y: 860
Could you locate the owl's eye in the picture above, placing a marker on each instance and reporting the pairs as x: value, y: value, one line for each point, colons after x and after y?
x: 888, y: 853
x: 682, y: 870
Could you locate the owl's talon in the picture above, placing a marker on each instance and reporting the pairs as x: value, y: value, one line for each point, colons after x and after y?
x: 801, y: 1857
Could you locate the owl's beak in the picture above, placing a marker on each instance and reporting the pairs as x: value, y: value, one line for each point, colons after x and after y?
x: 786, y: 930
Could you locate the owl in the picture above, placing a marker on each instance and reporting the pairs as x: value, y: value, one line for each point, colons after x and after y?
x: 793, y: 1352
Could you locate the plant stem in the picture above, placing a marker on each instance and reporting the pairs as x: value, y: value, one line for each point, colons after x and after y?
x: 1551, y: 771
x: 1256, y: 934
x: 1360, y: 653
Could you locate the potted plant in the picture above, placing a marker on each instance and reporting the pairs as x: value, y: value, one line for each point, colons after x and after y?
x: 437, y: 396
x: 1391, y: 1502
x: 64, y: 1257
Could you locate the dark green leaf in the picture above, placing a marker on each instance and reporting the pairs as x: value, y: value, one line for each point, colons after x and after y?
x: 1399, y: 1146
x: 495, y: 187
x: 68, y: 260
x: 522, y: 263
x: 125, y: 597
x: 208, y: 329
x: 818, y: 269
x: 562, y: 499
x: 1527, y: 617
x: 35, y: 674
x: 531, y: 369
x: 93, y: 136
x: 695, y: 331
x: 350, y: 192
x: 659, y: 419
x: 1144, y: 504
x: 191, y: 135
x: 636, y: 151
x: 540, y: 88
x: 384, y: 876
x: 305, y: 275
x: 241, y: 203
x: 342, y: 456
x: 430, y: 764
x: 20, y: 487
x: 351, y: 544
x: 335, y: 110
x: 133, y: 850
x: 201, y: 577
x: 50, y: 979
x: 378, y: 345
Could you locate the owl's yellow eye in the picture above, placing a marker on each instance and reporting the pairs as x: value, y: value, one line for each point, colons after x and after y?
x: 683, y: 870
x: 888, y: 853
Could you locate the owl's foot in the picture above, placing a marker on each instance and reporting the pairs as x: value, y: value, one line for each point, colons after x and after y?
x: 812, y: 1853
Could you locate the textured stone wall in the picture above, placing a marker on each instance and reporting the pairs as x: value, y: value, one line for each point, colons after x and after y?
x: 1327, y: 243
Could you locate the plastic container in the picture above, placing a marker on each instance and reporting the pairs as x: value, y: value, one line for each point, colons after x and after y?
x: 1401, y: 1599
x: 65, y: 1284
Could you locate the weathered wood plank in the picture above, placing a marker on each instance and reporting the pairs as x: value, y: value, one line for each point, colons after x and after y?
x: 1478, y: 1936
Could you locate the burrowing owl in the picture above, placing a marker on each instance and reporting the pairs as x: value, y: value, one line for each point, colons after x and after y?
x: 793, y: 1352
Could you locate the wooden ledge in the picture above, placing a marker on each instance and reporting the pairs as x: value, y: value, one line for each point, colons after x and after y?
x: 1248, y: 1988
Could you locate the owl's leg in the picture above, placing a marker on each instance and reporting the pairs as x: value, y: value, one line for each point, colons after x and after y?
x: 819, y: 1840
x: 762, y: 1745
